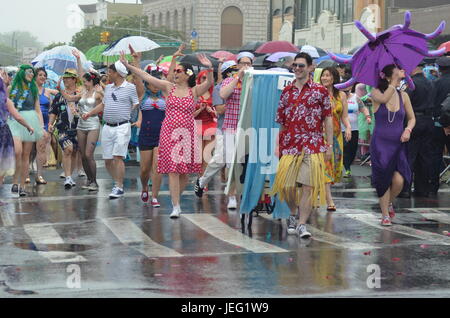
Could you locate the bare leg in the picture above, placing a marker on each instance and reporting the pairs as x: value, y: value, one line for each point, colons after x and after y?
x: 41, y: 147
x: 174, y: 185
x: 27, y: 147
x: 18, y: 152
x: 82, y: 141
x: 146, y: 158
x: 156, y: 177
x: 330, y: 201
x: 305, y: 204
x: 384, y: 203
x: 396, y: 187
x: 90, y: 153
x: 119, y: 167
x: 67, y: 161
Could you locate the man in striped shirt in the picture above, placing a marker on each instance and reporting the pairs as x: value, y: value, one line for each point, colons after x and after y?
x: 230, y: 92
x: 119, y: 99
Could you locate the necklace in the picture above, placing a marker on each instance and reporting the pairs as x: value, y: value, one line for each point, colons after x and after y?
x: 389, y: 116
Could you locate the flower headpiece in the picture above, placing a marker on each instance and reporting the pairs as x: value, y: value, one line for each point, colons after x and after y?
x: 189, y: 72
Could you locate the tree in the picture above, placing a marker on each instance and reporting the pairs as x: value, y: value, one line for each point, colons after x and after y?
x: 8, y: 55
x: 90, y: 36
x: 21, y: 38
x: 54, y: 44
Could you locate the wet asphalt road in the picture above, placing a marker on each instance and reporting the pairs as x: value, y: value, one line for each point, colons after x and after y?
x: 124, y: 249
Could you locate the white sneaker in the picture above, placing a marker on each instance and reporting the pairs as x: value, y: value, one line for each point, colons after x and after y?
x: 72, y: 182
x: 68, y: 183
x: 176, y: 212
x: 62, y: 175
x: 302, y: 232
x: 81, y: 174
x: 232, y: 203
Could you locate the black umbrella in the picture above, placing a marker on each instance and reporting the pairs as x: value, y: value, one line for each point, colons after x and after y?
x: 327, y: 63
x: 251, y: 46
x: 193, y: 60
x: 260, y: 61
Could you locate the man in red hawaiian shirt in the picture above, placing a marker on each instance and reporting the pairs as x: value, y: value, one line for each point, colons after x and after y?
x: 303, y: 113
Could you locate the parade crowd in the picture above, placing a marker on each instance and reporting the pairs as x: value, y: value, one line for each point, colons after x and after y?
x: 177, y: 116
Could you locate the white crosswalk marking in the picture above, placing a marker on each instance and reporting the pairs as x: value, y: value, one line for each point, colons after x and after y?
x: 131, y: 235
x: 432, y: 214
x: 324, y: 237
x: 222, y: 231
x: 45, y: 234
x: 374, y: 221
x: 7, y: 220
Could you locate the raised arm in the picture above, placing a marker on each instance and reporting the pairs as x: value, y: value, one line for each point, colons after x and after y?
x: 226, y: 91
x: 160, y: 84
x: 80, y: 69
x: 136, y: 79
x: 173, y: 63
x: 201, y: 89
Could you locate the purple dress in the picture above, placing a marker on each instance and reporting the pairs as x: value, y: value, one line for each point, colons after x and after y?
x: 387, y: 153
x: 7, y: 156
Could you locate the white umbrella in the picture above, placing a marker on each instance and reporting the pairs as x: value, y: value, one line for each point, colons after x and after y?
x: 311, y: 50
x: 59, y: 59
x: 139, y: 44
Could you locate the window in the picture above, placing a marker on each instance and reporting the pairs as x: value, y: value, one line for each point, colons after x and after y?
x: 304, y: 15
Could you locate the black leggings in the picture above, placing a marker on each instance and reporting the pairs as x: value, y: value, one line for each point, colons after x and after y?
x: 350, y: 149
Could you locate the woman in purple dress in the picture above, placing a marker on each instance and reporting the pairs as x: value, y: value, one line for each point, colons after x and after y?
x: 390, y: 167
x: 7, y: 154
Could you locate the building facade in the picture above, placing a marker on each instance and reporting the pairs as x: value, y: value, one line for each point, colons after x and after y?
x: 103, y: 10
x: 219, y: 24
x: 328, y: 24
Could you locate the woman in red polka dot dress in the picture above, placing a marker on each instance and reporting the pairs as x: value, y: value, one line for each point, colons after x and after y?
x: 179, y: 150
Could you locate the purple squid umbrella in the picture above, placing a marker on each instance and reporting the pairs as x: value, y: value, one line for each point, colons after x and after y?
x: 399, y: 45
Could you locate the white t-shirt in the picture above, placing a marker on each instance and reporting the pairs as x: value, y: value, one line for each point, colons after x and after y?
x: 354, y: 104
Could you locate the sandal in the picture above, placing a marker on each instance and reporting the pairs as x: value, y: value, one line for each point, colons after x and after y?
x: 331, y: 208
x: 40, y: 180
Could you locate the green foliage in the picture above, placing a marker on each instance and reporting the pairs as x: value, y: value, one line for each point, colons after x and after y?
x: 23, y: 38
x: 8, y: 55
x: 53, y: 45
x: 90, y: 37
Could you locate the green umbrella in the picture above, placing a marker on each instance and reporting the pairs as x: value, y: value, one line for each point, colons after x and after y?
x: 95, y: 54
x: 166, y: 59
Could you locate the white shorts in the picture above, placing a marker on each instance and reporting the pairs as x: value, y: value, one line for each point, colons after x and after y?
x: 115, y: 141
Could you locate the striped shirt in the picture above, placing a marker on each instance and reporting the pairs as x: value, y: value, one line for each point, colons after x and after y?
x: 118, y: 102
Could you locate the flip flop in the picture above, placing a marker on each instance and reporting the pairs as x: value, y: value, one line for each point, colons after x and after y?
x: 331, y: 208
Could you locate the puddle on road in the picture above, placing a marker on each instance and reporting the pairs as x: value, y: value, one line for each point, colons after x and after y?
x: 53, y: 247
x: 16, y: 292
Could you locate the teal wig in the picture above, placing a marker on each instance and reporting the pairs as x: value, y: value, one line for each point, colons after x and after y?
x: 20, y: 80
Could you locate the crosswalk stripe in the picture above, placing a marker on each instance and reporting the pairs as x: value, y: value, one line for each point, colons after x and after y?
x: 223, y: 232
x: 328, y: 238
x: 432, y: 214
x: 6, y: 218
x: 373, y: 220
x: 45, y: 234
x: 131, y: 235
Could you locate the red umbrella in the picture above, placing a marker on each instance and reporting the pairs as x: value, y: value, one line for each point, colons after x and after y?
x: 224, y: 54
x: 445, y: 45
x: 277, y: 46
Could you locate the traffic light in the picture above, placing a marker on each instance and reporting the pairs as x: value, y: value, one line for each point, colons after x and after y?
x: 194, y: 45
x: 104, y: 37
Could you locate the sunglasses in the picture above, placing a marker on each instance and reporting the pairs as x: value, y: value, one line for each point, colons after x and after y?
x: 29, y: 72
x: 179, y: 71
x: 295, y: 65
x: 204, y: 78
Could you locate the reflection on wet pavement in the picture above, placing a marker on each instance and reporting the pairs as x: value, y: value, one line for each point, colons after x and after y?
x: 123, y: 248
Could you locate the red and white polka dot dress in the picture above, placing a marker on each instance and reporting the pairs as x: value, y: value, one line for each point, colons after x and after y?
x: 179, y: 147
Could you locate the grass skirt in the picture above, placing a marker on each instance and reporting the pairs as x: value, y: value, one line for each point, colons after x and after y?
x: 19, y: 131
x: 286, y: 186
x: 7, y: 156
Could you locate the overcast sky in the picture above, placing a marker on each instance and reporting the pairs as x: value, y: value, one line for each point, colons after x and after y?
x: 49, y: 20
